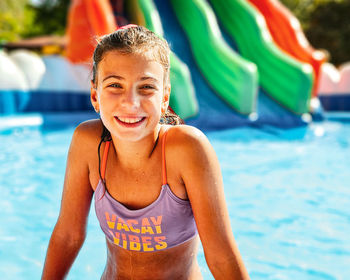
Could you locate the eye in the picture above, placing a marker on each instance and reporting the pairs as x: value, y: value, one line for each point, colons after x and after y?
x: 115, y: 85
x: 148, y: 87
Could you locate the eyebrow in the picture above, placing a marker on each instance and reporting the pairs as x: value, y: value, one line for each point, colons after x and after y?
x: 149, y: 78
x: 121, y: 78
x: 113, y: 76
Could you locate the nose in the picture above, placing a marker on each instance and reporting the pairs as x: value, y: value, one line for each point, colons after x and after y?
x: 131, y: 99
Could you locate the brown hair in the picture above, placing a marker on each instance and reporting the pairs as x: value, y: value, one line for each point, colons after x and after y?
x: 137, y: 39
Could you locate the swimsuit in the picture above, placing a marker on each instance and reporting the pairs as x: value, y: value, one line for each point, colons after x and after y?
x: 165, y: 223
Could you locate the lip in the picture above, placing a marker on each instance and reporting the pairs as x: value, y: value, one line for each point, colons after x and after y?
x: 130, y: 125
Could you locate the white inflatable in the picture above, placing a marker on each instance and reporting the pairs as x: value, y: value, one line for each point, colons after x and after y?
x: 31, y: 65
x: 25, y: 70
x: 61, y: 75
x: 344, y: 83
x: 52, y: 77
x: 334, y: 81
x: 329, y: 79
x: 11, y: 76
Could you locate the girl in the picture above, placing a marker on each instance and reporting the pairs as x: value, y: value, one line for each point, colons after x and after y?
x: 156, y: 187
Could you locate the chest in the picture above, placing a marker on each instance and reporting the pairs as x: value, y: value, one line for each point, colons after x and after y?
x: 135, y: 189
x: 139, y: 187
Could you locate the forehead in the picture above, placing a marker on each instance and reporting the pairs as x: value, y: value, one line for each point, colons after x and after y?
x: 130, y: 65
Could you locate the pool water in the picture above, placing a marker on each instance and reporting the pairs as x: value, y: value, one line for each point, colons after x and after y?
x: 288, y: 194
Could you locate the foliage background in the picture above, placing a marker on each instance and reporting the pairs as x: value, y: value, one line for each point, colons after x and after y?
x: 24, y: 19
x: 326, y: 23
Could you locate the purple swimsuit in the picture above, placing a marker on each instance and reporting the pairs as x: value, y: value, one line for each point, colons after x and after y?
x: 165, y: 223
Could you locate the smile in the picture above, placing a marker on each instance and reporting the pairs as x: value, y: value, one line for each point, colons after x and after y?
x: 130, y: 122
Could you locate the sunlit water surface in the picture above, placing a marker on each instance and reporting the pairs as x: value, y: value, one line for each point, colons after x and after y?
x: 288, y: 194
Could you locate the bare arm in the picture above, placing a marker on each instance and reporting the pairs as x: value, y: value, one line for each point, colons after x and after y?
x: 70, y: 229
x: 201, y: 174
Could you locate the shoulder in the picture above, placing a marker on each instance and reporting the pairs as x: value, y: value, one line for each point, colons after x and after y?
x: 184, y: 141
x: 181, y: 134
x: 90, y: 130
x: 86, y: 136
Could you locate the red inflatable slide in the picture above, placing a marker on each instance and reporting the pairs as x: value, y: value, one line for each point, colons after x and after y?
x: 288, y: 35
x: 87, y: 19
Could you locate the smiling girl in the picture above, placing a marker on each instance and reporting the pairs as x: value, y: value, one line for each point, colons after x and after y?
x: 157, y: 188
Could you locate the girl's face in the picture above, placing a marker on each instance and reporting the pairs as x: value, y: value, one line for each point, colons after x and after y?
x: 130, y: 94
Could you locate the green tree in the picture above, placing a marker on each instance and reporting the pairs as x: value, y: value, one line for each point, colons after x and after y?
x: 13, y: 18
x: 329, y: 28
x: 21, y: 19
x: 50, y: 17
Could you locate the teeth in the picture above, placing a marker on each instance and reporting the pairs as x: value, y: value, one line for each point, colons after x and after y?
x: 130, y: 120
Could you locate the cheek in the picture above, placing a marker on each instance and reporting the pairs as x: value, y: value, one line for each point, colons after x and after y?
x: 152, y: 109
x: 154, y: 101
x: 108, y: 100
x: 157, y: 104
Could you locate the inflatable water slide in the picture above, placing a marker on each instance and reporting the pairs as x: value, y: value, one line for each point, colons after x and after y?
x: 228, y: 67
x: 199, y: 33
x: 286, y: 31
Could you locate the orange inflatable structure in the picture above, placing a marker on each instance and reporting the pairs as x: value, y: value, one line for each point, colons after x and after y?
x: 87, y: 19
x: 288, y: 35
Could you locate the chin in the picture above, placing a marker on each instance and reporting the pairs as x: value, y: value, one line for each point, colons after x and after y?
x: 130, y: 137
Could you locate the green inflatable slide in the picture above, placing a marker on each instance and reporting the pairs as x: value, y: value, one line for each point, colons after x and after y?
x: 232, y: 77
x: 286, y: 80
x: 182, y: 98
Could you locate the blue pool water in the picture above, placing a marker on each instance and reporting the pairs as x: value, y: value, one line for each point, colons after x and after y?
x: 288, y: 194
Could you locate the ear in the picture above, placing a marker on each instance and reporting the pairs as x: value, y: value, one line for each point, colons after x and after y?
x: 94, y: 97
x: 166, y: 98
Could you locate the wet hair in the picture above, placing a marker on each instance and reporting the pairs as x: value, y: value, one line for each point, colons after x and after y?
x: 134, y: 39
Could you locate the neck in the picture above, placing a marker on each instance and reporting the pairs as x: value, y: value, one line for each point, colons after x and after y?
x: 134, y: 154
